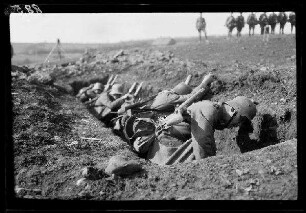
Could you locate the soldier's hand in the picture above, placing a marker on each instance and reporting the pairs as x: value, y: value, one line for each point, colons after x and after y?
x: 127, y: 96
x: 174, y: 118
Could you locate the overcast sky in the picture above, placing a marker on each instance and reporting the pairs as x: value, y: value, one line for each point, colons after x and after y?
x: 114, y: 27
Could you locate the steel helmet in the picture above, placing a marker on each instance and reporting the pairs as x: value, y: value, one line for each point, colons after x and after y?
x: 182, y: 89
x: 117, y: 89
x: 243, y: 106
x: 97, y: 86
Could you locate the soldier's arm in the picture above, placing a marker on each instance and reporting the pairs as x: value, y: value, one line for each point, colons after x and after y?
x: 183, y: 98
x: 112, y: 104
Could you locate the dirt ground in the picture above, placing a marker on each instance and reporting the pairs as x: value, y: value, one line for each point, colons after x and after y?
x: 55, y: 136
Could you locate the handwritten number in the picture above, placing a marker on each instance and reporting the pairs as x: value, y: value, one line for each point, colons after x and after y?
x: 36, y: 8
x: 28, y: 8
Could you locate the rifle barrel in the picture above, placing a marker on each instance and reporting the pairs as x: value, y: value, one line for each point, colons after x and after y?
x: 110, y: 79
x: 140, y: 103
x: 114, y: 80
x: 132, y: 88
x: 188, y: 79
x: 138, y: 89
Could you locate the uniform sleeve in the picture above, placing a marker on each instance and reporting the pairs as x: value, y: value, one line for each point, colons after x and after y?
x: 116, y: 104
x: 105, y: 101
x: 183, y: 98
x: 142, y: 144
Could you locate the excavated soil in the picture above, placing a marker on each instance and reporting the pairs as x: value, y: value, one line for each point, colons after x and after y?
x: 55, y: 136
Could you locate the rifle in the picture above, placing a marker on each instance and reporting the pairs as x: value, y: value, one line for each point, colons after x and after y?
x: 132, y: 88
x: 177, y: 117
x: 188, y: 79
x: 138, y: 89
x: 110, y: 82
x: 136, y: 105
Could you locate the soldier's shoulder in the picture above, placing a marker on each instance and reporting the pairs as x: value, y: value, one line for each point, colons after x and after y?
x: 103, y: 95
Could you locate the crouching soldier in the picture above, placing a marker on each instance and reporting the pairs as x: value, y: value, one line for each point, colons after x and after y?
x: 164, y: 102
x: 90, y: 92
x: 168, y: 145
x: 107, y: 104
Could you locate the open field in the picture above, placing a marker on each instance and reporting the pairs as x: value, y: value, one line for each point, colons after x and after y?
x: 49, y: 123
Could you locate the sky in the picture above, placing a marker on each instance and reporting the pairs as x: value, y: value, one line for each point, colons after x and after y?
x: 114, y: 27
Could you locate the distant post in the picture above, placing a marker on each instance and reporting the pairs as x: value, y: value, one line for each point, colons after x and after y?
x: 59, y: 49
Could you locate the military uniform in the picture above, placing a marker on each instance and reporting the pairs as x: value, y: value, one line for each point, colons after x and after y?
x: 252, y: 22
x: 292, y: 20
x: 167, y: 100
x: 240, y: 24
x: 201, y: 26
x: 108, y: 103
x: 282, y: 19
x: 263, y: 21
x: 230, y: 24
x: 105, y: 105
x: 272, y: 21
x: 90, y: 92
x: 191, y: 139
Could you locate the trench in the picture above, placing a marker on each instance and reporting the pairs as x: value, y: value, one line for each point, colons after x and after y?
x: 267, y: 129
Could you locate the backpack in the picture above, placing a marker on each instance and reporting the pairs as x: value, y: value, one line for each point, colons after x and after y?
x: 230, y: 21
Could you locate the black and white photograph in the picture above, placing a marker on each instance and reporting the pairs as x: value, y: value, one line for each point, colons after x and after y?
x: 121, y: 106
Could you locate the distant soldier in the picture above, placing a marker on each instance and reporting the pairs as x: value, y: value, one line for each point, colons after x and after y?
x: 59, y: 49
x: 272, y: 21
x: 263, y: 22
x: 292, y: 20
x: 230, y: 24
x: 240, y: 24
x: 201, y: 26
x: 252, y: 22
x: 282, y: 19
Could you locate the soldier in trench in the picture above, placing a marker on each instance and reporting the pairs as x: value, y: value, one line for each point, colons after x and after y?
x: 190, y: 135
x: 164, y: 102
x: 106, y: 106
x: 90, y: 92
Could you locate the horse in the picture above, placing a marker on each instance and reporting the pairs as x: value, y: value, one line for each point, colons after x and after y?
x: 252, y: 22
x: 282, y: 19
x: 201, y: 26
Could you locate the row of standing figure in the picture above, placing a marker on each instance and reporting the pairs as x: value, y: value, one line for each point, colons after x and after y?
x: 264, y: 21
